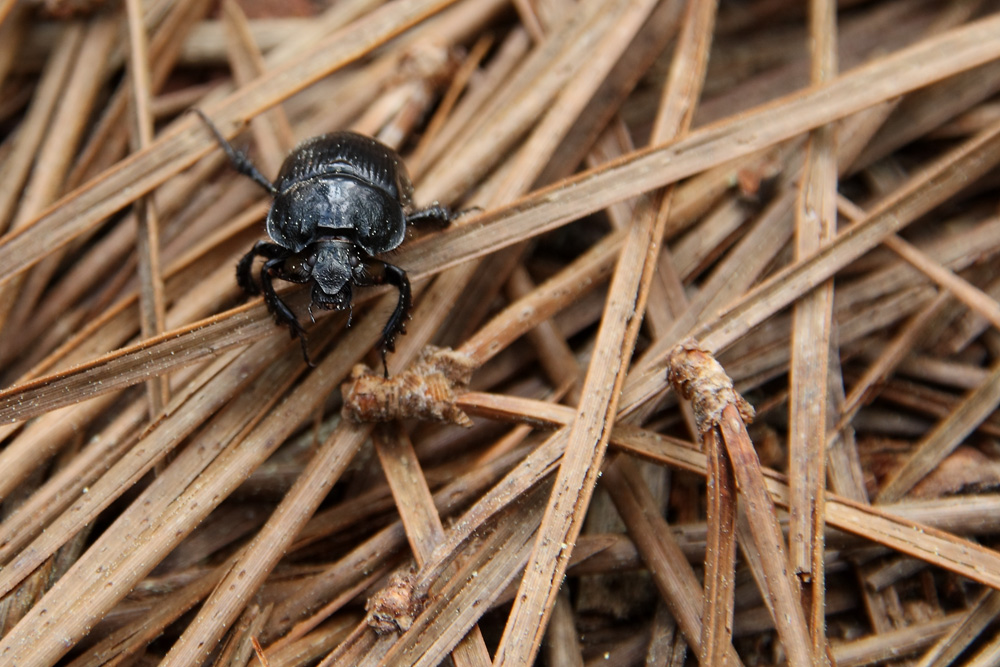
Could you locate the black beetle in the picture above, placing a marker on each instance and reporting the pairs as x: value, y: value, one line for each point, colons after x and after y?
x: 339, y: 199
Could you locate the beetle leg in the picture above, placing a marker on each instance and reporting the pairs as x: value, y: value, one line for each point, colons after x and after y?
x: 238, y: 158
x: 244, y: 270
x: 377, y: 272
x: 436, y: 214
x: 282, y: 313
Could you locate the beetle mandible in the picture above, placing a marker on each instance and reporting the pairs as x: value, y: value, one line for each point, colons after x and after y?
x: 339, y: 200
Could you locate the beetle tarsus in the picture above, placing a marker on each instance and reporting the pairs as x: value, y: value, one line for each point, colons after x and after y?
x: 303, y: 340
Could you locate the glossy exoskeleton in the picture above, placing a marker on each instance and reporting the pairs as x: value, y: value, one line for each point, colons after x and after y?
x: 339, y: 200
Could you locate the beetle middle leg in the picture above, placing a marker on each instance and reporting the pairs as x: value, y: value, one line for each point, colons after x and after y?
x: 437, y: 215
x: 378, y: 272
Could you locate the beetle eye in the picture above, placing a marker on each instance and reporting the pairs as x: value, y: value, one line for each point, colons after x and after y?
x: 355, y: 261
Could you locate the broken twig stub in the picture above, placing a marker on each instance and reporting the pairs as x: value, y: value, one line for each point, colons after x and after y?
x: 393, y: 608
x: 699, y: 378
x: 426, y: 390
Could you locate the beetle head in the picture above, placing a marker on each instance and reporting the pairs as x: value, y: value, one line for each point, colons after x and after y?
x: 336, y: 263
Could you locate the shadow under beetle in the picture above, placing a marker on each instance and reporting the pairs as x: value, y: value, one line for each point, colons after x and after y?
x: 339, y: 199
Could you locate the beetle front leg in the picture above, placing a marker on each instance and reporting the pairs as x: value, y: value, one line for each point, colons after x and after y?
x: 244, y: 270
x: 397, y: 321
x: 282, y: 313
x: 378, y: 272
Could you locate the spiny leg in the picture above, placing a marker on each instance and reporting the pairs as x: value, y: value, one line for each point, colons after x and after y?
x: 244, y: 270
x: 378, y: 272
x: 282, y: 313
x: 239, y: 160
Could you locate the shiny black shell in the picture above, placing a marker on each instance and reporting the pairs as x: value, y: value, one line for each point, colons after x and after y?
x: 341, y: 184
x: 349, y: 154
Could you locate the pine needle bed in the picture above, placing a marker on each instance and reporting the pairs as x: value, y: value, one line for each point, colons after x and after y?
x: 706, y: 372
